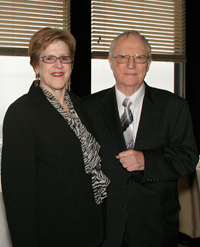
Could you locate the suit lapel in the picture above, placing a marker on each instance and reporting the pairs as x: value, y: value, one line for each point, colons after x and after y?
x: 149, y: 117
x: 52, y: 120
x: 110, y: 114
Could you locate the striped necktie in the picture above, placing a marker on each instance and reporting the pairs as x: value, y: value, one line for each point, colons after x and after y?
x: 126, y: 121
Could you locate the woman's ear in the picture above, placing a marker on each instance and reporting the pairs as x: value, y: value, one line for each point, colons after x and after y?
x: 36, y: 70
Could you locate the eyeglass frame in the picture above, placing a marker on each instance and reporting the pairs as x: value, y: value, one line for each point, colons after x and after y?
x: 42, y: 59
x: 148, y: 58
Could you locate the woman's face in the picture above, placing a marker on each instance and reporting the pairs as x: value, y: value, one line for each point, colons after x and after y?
x: 54, y: 77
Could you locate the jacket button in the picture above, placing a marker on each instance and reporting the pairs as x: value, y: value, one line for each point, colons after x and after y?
x: 130, y: 180
x: 124, y: 207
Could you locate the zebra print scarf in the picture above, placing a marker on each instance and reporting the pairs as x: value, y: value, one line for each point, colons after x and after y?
x: 90, y: 147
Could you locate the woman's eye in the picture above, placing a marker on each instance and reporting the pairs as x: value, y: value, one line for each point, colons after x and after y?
x: 65, y: 58
x: 49, y: 58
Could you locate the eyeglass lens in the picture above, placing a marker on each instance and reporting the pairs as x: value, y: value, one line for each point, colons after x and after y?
x: 137, y: 58
x: 53, y: 59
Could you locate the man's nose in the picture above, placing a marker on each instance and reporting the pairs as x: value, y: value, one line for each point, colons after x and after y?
x: 131, y: 63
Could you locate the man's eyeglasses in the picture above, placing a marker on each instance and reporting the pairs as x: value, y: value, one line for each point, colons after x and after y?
x: 53, y: 59
x: 137, y: 58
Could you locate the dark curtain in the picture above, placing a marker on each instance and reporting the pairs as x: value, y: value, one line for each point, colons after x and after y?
x: 193, y: 64
x: 81, y: 29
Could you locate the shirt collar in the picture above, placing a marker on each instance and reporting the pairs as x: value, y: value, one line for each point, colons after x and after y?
x: 136, y: 98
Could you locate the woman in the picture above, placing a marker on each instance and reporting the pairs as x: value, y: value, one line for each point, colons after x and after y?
x: 52, y: 181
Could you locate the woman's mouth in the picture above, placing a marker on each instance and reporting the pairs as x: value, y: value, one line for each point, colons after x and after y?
x: 57, y: 74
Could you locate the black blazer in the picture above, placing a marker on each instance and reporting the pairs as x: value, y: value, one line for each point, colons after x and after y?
x: 48, y: 196
x: 147, y: 202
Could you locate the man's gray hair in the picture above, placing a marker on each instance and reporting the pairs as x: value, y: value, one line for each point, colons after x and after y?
x: 128, y: 34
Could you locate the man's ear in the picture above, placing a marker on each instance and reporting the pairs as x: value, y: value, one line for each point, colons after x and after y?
x: 110, y: 61
x: 148, y: 66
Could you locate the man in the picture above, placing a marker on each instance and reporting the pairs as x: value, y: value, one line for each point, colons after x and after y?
x: 147, y: 143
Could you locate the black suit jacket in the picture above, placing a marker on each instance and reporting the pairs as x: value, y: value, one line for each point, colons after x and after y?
x: 145, y: 202
x: 48, y: 196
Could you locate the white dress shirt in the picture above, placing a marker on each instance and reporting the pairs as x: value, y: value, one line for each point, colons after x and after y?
x: 136, y: 106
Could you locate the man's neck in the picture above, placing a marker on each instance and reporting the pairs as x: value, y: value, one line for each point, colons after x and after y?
x: 128, y: 91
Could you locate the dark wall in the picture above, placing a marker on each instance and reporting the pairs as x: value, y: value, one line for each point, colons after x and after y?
x: 193, y: 64
x: 81, y: 29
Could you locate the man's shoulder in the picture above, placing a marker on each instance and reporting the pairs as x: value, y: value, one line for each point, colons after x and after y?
x: 98, y: 96
x: 163, y: 95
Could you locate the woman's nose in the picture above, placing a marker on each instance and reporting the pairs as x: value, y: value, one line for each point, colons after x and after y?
x: 58, y: 63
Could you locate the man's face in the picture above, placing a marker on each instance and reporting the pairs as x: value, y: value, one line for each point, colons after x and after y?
x: 130, y: 76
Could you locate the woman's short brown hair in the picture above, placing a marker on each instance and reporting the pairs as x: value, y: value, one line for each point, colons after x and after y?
x: 44, y: 37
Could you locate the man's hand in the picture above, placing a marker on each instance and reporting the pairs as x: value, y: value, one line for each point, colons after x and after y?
x: 132, y: 160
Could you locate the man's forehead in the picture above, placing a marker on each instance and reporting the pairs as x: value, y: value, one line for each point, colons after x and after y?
x: 130, y: 42
x: 132, y: 38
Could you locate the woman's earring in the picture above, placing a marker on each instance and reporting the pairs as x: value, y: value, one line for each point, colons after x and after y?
x: 37, y: 81
x: 69, y: 84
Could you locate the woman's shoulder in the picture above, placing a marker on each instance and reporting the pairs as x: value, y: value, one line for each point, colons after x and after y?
x: 21, y: 102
